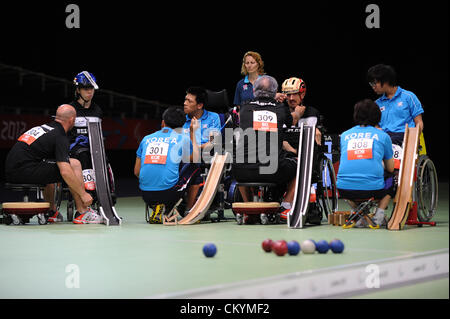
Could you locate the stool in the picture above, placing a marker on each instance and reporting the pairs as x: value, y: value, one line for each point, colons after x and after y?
x: 158, y: 214
x: 17, y: 213
x: 362, y: 211
x: 268, y: 212
x: 27, y: 189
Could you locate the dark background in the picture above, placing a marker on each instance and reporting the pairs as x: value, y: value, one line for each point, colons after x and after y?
x: 158, y: 50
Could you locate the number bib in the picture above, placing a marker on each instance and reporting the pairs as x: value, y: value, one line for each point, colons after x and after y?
x: 156, y: 153
x: 33, y: 134
x: 264, y: 121
x: 89, y: 179
x: 398, y: 154
x: 81, y: 124
x: 360, y: 148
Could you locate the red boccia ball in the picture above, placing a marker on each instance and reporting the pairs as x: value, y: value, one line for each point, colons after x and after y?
x: 280, y: 247
x: 267, y: 245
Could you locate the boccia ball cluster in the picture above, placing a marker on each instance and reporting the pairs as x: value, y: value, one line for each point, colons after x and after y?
x: 309, y: 246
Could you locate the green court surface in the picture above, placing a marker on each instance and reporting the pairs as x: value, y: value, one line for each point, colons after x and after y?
x: 139, y: 260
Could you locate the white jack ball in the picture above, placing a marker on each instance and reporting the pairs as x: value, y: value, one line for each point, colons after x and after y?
x: 308, y: 247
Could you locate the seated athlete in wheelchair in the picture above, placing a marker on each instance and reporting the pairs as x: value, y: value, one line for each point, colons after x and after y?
x: 80, y: 149
x: 323, y: 177
x: 213, y: 140
x: 260, y: 157
x: 366, y: 153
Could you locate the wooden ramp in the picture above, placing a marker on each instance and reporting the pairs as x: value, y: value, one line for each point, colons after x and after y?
x: 403, y: 197
x: 205, y: 199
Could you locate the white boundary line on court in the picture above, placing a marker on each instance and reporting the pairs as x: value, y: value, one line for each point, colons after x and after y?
x: 331, y: 282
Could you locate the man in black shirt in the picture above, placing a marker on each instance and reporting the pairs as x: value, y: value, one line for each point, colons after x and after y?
x: 293, y: 94
x: 259, y: 156
x: 41, y: 156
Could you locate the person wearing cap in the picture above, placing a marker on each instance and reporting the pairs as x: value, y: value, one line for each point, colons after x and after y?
x: 85, y: 85
x: 41, y: 156
x: 293, y: 94
x: 397, y: 105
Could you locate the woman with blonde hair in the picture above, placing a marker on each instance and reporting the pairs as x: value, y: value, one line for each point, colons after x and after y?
x: 252, y: 68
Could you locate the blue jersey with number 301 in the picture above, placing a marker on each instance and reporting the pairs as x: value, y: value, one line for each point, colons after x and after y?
x: 161, y: 154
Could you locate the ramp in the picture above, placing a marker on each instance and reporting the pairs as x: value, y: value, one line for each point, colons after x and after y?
x: 205, y: 199
x: 297, y: 214
x: 403, y: 197
x: 105, y: 202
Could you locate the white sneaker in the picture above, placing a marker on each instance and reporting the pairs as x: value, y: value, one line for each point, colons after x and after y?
x: 91, y: 216
x: 379, y: 218
x: 361, y: 223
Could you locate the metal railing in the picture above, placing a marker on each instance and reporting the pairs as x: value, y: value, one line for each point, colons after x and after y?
x: 34, y: 86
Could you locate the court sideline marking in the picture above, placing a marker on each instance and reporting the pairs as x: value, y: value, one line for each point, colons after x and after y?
x: 332, y: 282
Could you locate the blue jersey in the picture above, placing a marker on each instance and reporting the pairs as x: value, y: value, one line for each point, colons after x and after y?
x: 244, y: 92
x: 209, y: 123
x: 161, y: 154
x: 362, y: 151
x: 401, y: 109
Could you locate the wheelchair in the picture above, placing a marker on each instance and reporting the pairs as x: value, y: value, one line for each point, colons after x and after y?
x: 326, y: 189
x: 62, y: 192
x: 323, y: 197
x: 425, y: 190
x: 217, y: 102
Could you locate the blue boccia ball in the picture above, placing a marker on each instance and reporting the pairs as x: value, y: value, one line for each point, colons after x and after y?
x: 336, y: 246
x: 293, y: 247
x: 322, y: 246
x: 209, y: 250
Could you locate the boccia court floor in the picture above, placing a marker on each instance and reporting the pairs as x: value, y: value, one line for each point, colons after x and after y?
x: 137, y: 260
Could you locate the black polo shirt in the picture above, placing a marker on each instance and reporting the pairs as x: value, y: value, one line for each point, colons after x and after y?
x: 46, y: 142
x: 264, y: 118
x: 310, y: 117
x: 80, y: 127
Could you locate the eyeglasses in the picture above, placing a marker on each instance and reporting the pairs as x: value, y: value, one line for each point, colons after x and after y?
x: 372, y: 84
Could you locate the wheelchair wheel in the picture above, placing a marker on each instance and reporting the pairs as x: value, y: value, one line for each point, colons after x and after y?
x: 58, y: 195
x: 70, y: 208
x: 427, y: 189
x: 326, y: 187
x: 112, y: 184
